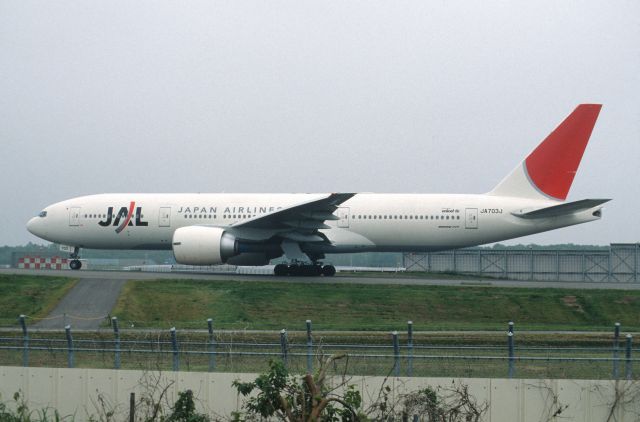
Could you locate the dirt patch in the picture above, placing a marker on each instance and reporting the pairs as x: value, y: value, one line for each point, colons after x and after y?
x: 572, y: 302
x: 626, y: 300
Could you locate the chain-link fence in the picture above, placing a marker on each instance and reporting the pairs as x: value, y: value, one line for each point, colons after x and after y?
x: 498, y: 355
x: 619, y: 264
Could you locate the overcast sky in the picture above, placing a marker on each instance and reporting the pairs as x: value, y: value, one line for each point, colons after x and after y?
x: 324, y: 96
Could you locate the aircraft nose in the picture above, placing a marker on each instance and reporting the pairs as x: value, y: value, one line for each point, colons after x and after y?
x: 34, y: 226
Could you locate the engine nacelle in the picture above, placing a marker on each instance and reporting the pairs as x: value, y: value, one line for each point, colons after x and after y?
x: 199, y: 245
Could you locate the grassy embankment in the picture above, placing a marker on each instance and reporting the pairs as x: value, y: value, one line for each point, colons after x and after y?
x: 268, y: 305
x: 33, y: 296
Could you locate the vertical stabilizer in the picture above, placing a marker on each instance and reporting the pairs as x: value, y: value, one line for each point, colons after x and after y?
x: 547, y: 173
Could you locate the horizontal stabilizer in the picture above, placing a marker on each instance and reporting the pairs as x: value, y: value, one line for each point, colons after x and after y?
x: 562, y: 209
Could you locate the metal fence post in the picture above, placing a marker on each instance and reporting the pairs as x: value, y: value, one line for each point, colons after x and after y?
x: 455, y: 266
x: 396, y: 354
x: 616, y: 346
x: 116, y: 333
x: 506, y: 264
x: 212, y: 346
x: 284, y: 347
x: 174, y: 345
x: 70, y: 357
x: 637, y: 262
x: 511, y: 326
x: 628, y: 370
x: 309, y: 348
x: 132, y: 407
x: 511, y: 352
x: 531, y: 266
x: 25, y: 341
x: 410, y: 348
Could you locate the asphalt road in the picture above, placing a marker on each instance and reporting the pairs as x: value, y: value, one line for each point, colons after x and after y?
x: 86, y: 305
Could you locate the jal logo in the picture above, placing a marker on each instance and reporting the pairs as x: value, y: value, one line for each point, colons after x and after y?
x: 125, y: 215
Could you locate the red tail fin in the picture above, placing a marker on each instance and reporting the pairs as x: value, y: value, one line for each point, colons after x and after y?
x: 547, y: 173
x: 552, y: 166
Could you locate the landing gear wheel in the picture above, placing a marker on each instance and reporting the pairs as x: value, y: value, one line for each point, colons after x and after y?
x: 294, y: 270
x: 328, y: 271
x: 281, y: 270
x: 75, y: 264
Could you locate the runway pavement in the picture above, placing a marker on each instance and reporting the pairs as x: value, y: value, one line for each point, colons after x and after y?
x: 340, y: 278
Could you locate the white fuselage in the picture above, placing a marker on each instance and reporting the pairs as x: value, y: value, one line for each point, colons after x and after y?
x: 366, y: 222
x: 251, y: 229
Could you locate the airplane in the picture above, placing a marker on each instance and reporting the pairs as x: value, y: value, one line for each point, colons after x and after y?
x: 253, y: 229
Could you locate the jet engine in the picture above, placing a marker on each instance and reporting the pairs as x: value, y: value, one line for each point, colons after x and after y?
x: 199, y: 245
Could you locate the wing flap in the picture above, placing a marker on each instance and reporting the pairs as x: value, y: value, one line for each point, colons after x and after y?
x: 306, y: 224
x: 300, y: 237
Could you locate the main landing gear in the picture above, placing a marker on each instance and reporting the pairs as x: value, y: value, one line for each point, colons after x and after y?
x: 75, y: 263
x: 299, y: 263
x: 306, y: 270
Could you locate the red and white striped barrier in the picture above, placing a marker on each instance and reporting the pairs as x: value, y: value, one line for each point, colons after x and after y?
x: 39, y: 263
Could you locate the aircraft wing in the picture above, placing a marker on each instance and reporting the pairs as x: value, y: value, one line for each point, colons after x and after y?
x: 299, y: 222
x: 562, y: 209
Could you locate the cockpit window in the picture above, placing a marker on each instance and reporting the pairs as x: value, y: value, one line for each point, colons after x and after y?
x: 42, y: 214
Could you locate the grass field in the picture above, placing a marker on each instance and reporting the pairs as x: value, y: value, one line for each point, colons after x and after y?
x: 33, y: 296
x: 161, y: 304
x: 267, y: 305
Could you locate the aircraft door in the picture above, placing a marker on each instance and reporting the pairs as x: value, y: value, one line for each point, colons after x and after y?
x: 343, y: 216
x: 74, y: 216
x: 164, y: 217
x: 471, y: 218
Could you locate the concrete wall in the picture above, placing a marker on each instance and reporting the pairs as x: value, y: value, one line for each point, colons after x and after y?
x: 76, y: 391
